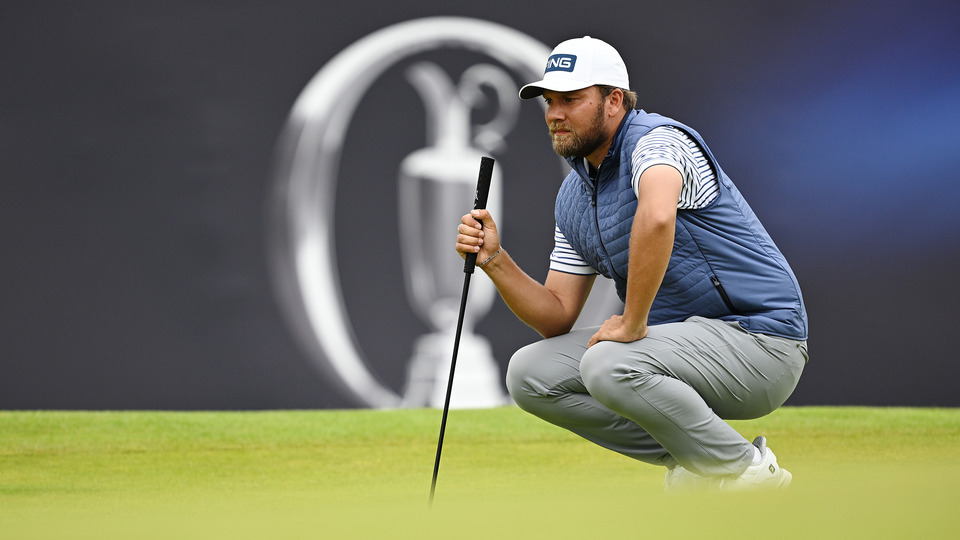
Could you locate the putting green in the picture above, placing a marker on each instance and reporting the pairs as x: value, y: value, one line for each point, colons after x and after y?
x: 858, y: 473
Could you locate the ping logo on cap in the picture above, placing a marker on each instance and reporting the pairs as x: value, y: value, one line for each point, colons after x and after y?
x: 561, y: 62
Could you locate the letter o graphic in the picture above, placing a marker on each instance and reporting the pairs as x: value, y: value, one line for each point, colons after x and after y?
x: 303, y: 255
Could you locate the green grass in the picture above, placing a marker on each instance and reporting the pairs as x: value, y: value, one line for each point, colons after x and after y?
x: 858, y: 473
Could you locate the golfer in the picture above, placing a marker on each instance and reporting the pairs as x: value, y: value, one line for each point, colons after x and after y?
x: 713, y: 326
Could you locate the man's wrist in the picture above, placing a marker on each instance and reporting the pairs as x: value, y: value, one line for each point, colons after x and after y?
x: 490, y: 258
x: 633, y: 325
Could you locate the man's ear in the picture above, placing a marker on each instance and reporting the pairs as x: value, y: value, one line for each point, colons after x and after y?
x: 615, y: 101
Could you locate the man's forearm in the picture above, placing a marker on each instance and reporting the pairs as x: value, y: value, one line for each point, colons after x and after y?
x: 534, y: 303
x: 651, y: 243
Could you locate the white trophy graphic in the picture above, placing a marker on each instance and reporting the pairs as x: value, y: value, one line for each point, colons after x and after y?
x: 436, y: 186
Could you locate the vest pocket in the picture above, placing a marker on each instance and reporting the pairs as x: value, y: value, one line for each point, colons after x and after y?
x: 723, y: 294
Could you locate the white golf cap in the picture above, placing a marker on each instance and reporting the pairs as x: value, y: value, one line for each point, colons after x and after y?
x: 580, y: 63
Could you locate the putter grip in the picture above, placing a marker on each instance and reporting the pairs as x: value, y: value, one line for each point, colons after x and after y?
x: 480, y: 202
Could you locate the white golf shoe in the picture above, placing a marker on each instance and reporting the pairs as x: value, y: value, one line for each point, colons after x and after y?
x: 764, y: 475
x: 681, y: 480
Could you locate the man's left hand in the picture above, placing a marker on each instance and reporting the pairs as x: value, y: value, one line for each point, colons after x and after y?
x: 616, y: 329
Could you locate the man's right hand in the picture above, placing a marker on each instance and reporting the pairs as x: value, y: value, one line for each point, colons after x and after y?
x: 477, y: 233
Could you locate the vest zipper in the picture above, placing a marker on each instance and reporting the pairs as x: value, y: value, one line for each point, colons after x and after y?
x: 594, y: 181
x: 606, y: 260
x: 723, y: 295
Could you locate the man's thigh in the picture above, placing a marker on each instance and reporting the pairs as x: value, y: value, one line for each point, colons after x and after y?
x: 738, y: 374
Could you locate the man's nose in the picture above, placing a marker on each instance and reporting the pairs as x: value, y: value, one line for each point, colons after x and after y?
x: 553, y: 113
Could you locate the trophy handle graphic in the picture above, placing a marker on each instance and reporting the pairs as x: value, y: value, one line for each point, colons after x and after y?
x: 489, y: 136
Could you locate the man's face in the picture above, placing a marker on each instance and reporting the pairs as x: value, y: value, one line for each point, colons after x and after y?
x: 576, y: 121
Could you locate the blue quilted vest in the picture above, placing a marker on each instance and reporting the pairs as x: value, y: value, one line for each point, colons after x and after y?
x: 724, y: 265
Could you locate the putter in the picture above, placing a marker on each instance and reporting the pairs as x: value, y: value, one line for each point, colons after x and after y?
x: 479, y: 202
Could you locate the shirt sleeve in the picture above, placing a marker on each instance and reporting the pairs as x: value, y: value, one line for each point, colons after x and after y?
x: 565, y: 259
x: 667, y: 145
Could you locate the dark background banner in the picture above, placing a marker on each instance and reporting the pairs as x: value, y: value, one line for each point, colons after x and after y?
x: 139, y: 147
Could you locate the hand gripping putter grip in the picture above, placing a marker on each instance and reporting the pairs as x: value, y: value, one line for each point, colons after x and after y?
x: 479, y: 202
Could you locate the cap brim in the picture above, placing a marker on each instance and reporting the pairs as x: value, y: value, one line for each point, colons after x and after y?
x: 536, y: 89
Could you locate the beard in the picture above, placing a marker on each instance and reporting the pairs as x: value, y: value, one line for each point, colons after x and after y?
x: 580, y: 144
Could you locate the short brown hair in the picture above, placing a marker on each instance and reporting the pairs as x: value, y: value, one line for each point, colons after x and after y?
x: 629, y: 96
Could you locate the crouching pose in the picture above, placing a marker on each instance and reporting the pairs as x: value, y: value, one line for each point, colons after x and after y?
x: 713, y: 327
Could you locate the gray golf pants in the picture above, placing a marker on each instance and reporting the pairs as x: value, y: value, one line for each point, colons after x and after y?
x: 661, y: 399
